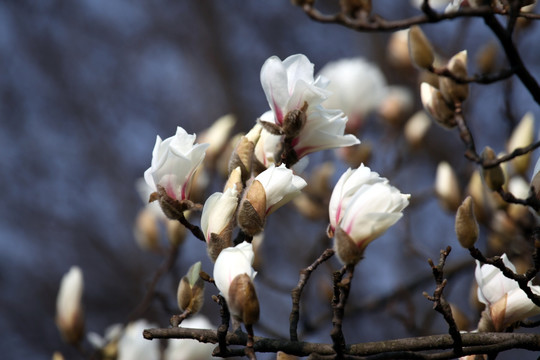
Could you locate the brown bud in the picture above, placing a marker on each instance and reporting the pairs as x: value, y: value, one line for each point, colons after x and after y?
x: 235, y: 178
x: 420, y: 48
x: 183, y: 294
x: 294, y: 121
x: 172, y: 208
x: 466, y: 225
x: 486, y: 57
x: 452, y: 91
x: 243, y: 303
x: 437, y: 107
x: 219, y: 242
x: 176, y: 232
x: 190, y: 293
x: 146, y: 230
x: 252, y: 209
x: 523, y: 135
x: 242, y: 157
x: 346, y: 249
x: 494, y: 176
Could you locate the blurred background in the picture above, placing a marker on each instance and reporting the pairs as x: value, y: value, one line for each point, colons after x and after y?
x: 86, y: 86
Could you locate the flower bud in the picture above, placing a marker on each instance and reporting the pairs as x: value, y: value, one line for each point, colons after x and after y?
x: 466, y: 225
x: 486, y: 57
x: 57, y: 356
x: 243, y: 303
x: 416, y: 128
x: 242, y: 157
x: 190, y: 293
x: 69, y: 311
x: 494, y: 176
x: 235, y: 179
x: 523, y: 135
x: 453, y: 92
x: 420, y: 48
x: 397, y: 104
x: 447, y: 187
x: 398, y: 49
x: 252, y: 212
x: 146, y: 230
x: 436, y: 106
x: 217, y: 135
x: 346, y: 249
x: 176, y: 232
x: 535, y: 180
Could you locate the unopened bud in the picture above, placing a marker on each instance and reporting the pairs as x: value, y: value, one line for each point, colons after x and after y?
x: 486, y: 58
x: 398, y: 49
x: 493, y: 176
x: 447, y: 187
x: 57, y: 356
x: 436, y: 106
x: 146, y: 230
x: 190, y: 294
x: 69, y: 311
x: 535, y: 181
x: 466, y: 225
x: 235, y: 178
x: 252, y: 210
x: 397, y: 104
x: 217, y: 135
x: 416, y: 127
x: 420, y: 48
x: 243, y: 303
x: 242, y: 157
x: 452, y: 91
x: 176, y: 232
x: 523, y: 135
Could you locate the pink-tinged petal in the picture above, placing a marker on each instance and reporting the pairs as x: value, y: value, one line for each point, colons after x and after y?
x: 492, y: 284
x: 280, y: 186
x: 299, y: 68
x: 218, y: 212
x: 274, y: 83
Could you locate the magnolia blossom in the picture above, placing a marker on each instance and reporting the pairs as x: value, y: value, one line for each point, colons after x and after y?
x: 232, y: 266
x: 280, y: 186
x: 358, y: 87
x: 133, y: 346
x: 190, y: 349
x: 174, y: 161
x: 362, y: 207
x: 69, y: 312
x: 289, y: 85
x: 218, y: 212
x: 506, y: 302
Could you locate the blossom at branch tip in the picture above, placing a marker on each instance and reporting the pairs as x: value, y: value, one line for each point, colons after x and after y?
x: 174, y: 162
x: 190, y: 349
x: 362, y: 207
x: 69, y: 311
x: 295, y: 99
x: 217, y: 219
x: 233, y: 275
x: 505, y: 300
x: 270, y: 190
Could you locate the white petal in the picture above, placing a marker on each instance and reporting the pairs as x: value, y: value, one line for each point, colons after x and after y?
x: 232, y: 262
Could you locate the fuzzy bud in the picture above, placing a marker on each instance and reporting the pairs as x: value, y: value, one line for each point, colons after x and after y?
x: 190, y: 294
x: 466, y: 225
x: 436, y: 106
x: 420, y: 48
x: 494, y: 176
x: 453, y: 92
x: 146, y: 230
x: 447, y: 187
x: 523, y: 135
x: 69, y: 311
x: 252, y: 211
x: 243, y: 303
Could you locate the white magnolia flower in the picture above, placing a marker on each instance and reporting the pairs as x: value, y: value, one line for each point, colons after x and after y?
x: 231, y: 262
x: 506, y: 302
x: 362, y: 207
x: 133, y: 346
x: 218, y: 212
x: 358, y: 86
x: 69, y: 311
x: 233, y: 275
x: 190, y: 349
x: 280, y: 186
x: 289, y: 85
x: 174, y: 161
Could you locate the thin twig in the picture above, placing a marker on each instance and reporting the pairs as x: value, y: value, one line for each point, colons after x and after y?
x: 296, y: 293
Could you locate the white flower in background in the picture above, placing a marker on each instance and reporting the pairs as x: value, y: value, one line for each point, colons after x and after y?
x: 270, y: 190
x: 506, y: 302
x: 447, y: 186
x: 289, y: 86
x: 362, y: 207
x: 358, y: 87
x: 69, y: 311
x: 112, y: 334
x: 174, y: 161
x: 233, y: 275
x: 133, y: 346
x: 190, y: 349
